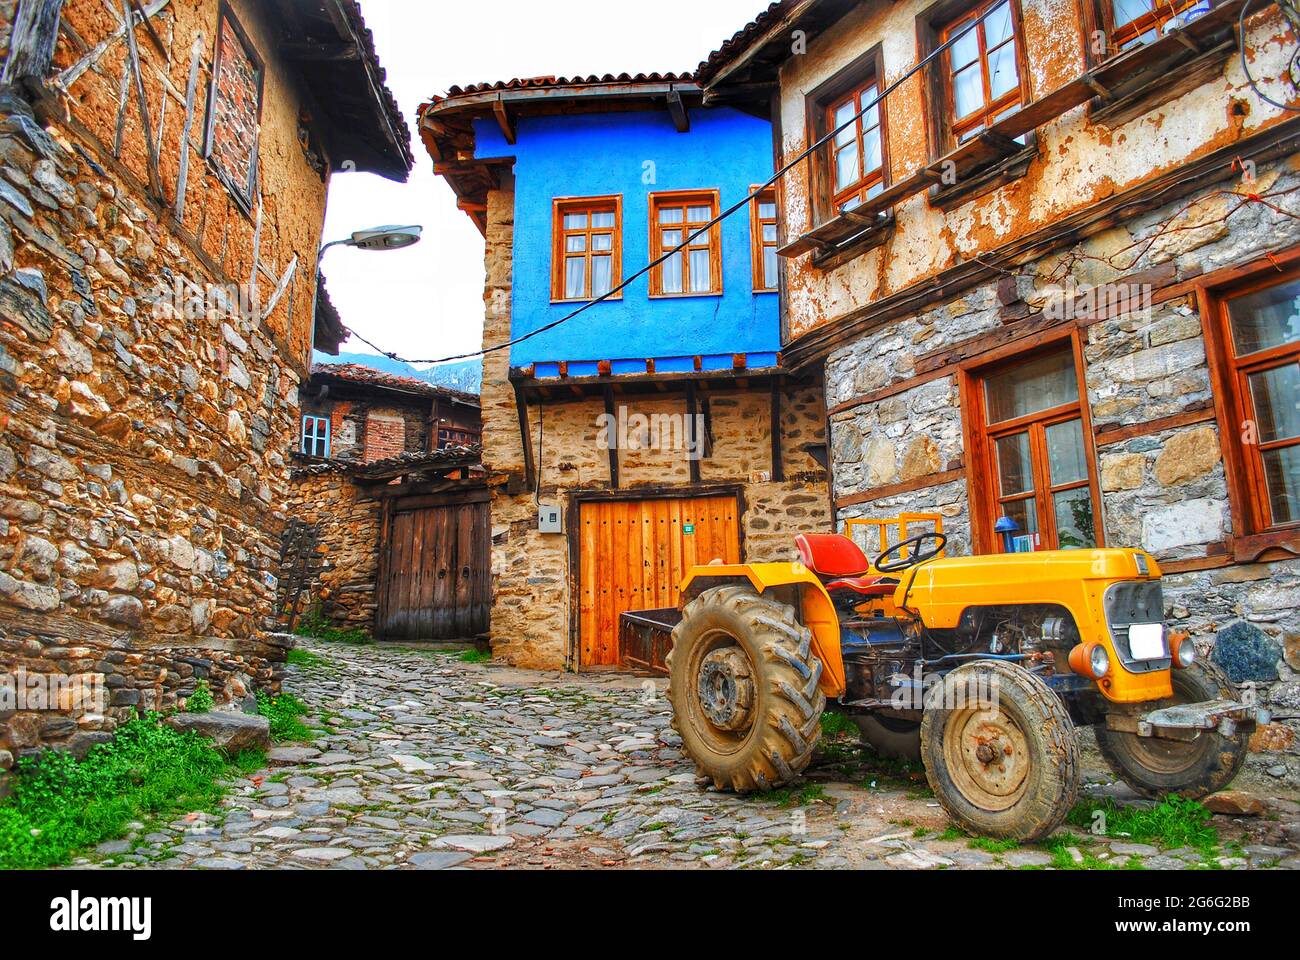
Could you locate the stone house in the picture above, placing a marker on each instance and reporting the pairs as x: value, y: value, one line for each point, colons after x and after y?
x: 658, y: 429
x: 164, y: 167
x: 1052, y: 284
x: 371, y: 446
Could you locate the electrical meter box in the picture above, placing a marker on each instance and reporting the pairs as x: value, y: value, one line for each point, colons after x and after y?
x: 550, y: 518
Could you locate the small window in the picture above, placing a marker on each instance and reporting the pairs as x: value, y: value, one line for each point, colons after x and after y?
x: 316, y: 437
x: 1131, y: 23
x: 762, y: 216
x: 1042, y: 492
x: 854, y: 166
x: 588, y: 255
x: 982, y: 68
x: 681, y: 218
x: 1259, y: 329
x: 235, y: 110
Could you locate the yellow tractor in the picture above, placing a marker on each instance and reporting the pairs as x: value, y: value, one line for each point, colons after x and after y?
x: 980, y: 667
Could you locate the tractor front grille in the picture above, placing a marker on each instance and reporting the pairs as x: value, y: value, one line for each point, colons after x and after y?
x: 1130, y: 602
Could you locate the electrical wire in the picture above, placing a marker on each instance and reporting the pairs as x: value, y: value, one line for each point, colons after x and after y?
x: 730, y: 211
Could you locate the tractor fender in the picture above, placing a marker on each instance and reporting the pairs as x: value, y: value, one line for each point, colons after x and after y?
x: 816, y: 611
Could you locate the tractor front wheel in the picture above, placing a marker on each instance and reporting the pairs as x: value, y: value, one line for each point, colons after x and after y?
x: 1000, y: 751
x: 743, y: 685
x: 1154, y: 766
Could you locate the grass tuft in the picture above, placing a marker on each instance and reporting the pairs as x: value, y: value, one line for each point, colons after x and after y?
x: 1173, y: 822
x: 299, y: 657
x: 314, y: 625
x: 200, y: 701
x: 147, y: 772
x: 284, y: 712
x: 475, y: 656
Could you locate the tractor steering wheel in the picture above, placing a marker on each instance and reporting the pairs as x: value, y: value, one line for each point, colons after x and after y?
x: 915, y: 557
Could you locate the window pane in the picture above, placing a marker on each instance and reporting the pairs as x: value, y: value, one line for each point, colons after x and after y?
x: 850, y: 204
x: 769, y: 233
x: 769, y: 268
x: 767, y: 210
x: 997, y: 25
x: 968, y: 90
x: 602, y: 241
x: 670, y: 215
x: 875, y: 190
x: 846, y: 166
x: 966, y: 50
x: 700, y: 277
x: 1276, y: 394
x: 672, y: 268
x: 576, y: 244
x: 602, y: 273
x: 1126, y: 11
x: 1015, y: 464
x: 842, y: 116
x: 671, y: 239
x: 872, y: 117
x: 575, y: 278
x: 700, y: 214
x: 1035, y: 385
x: 1075, y: 528
x: 602, y: 221
x: 1025, y: 514
x: 1282, y: 473
x: 871, y: 144
x: 1003, y: 73
x: 1066, y: 461
x: 1266, y: 318
x: 575, y: 221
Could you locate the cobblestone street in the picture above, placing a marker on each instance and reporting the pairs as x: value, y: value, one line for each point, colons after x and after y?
x: 432, y: 763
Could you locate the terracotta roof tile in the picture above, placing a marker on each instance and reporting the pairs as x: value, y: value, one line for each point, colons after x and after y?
x: 740, y: 39
x: 355, y: 373
x: 592, y: 80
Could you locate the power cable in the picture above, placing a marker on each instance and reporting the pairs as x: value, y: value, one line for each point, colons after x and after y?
x: 1241, y: 32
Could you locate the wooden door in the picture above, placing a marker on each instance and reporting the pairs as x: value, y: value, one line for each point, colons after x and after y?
x: 435, y: 581
x: 633, y: 555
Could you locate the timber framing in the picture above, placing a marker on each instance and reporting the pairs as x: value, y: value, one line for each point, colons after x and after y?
x: 1263, y: 147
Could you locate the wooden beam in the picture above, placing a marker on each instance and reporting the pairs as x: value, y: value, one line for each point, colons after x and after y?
x: 319, y: 52
x: 612, y: 418
x: 526, y: 437
x: 31, y: 46
x: 151, y: 155
x: 692, y: 439
x: 907, y: 486
x: 504, y: 120
x: 778, y: 466
x: 681, y: 118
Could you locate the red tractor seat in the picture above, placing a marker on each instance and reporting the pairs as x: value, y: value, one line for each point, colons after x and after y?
x: 840, y: 563
x: 865, y: 586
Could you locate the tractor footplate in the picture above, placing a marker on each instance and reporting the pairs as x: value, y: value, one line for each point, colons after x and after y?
x: 1185, y: 720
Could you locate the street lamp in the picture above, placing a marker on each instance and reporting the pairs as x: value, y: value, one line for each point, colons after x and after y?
x: 380, y: 238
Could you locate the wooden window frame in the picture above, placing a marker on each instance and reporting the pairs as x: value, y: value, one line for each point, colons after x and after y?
x: 933, y: 26
x: 560, y: 254
x: 865, y: 70
x: 244, y: 195
x: 1098, y: 15
x: 759, y: 246
x: 315, y: 436
x: 1234, y: 407
x: 979, y: 438
x: 684, y: 199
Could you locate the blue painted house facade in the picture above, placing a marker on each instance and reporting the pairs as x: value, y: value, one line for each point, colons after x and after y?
x: 657, y: 428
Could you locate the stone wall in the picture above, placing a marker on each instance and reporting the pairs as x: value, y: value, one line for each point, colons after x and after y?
x: 530, y: 612
x: 342, y: 570
x: 142, y: 467
x: 1163, y: 490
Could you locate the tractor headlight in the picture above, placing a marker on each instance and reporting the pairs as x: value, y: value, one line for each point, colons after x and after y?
x: 1183, y: 650
x: 1099, y: 661
x: 1090, y: 660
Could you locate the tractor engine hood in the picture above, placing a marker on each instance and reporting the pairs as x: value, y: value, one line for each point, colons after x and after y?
x: 1075, y: 579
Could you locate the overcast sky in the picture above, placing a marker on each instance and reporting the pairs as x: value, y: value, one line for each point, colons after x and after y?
x: 427, y: 301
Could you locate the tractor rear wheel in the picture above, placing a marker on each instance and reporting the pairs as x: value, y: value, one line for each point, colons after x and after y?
x: 1155, y: 766
x: 743, y: 685
x: 1000, y: 751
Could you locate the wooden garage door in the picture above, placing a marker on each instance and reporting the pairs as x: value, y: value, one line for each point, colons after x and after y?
x: 633, y: 555
x: 435, y: 580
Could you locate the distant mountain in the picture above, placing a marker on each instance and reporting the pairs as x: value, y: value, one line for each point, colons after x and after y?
x: 466, y: 375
